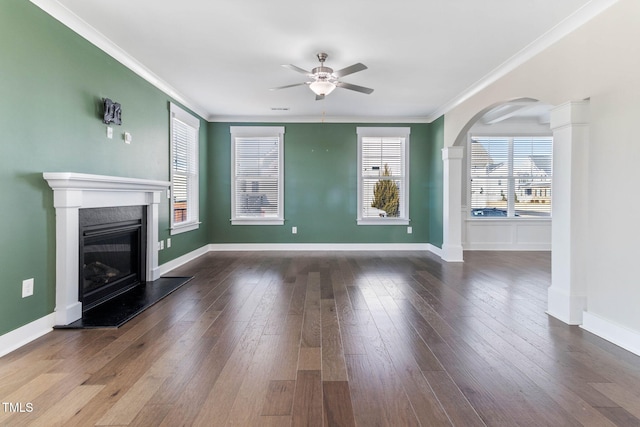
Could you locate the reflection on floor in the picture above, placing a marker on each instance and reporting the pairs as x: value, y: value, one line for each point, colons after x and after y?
x: 117, y: 311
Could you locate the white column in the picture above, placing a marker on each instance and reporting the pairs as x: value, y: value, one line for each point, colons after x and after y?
x: 452, y: 204
x: 68, y: 307
x: 567, y: 295
x: 153, y: 272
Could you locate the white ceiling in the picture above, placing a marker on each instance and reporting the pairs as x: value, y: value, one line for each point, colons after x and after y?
x: 221, y: 57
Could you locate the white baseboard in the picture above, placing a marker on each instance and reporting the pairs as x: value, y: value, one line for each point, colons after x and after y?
x: 25, y: 334
x: 177, y: 262
x: 435, y: 250
x: 220, y: 247
x: 613, y: 332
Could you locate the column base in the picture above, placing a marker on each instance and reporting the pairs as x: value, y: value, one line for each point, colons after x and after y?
x: 452, y: 253
x: 564, y: 307
x: 69, y: 314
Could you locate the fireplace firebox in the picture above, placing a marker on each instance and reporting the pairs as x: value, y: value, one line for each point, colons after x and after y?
x: 112, y: 252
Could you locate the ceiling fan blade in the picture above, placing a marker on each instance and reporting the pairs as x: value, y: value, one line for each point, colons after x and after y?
x: 298, y: 69
x: 287, y: 86
x: 350, y: 70
x: 357, y: 88
x: 319, y: 97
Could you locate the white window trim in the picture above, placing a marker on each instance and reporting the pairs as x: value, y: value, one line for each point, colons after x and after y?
x: 508, y: 218
x: 180, y: 114
x: 381, y: 132
x: 257, y: 131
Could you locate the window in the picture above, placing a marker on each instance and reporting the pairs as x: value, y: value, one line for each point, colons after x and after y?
x: 383, y: 178
x: 257, y: 181
x: 510, y: 176
x: 184, y: 170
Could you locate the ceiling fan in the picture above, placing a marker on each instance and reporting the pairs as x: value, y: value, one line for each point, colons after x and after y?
x: 324, y: 80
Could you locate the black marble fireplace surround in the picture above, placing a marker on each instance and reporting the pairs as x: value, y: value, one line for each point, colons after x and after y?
x: 112, y: 252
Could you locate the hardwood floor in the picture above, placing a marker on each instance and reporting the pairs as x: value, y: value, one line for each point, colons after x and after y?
x: 332, y: 339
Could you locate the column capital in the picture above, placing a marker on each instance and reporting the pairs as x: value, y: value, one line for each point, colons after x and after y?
x: 453, y: 152
x: 570, y: 113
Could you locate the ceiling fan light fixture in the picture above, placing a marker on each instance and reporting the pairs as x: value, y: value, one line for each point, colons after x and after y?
x: 324, y: 80
x: 322, y: 87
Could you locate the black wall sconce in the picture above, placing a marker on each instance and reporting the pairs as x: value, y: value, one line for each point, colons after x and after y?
x: 112, y: 112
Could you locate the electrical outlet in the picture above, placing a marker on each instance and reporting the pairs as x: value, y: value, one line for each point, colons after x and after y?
x: 109, y: 132
x: 168, y: 242
x: 409, y: 230
x: 294, y: 230
x: 127, y: 138
x: 27, y: 288
x: 161, y: 245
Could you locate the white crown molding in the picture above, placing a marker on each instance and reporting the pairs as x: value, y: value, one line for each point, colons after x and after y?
x: 314, y: 119
x: 93, y: 36
x: 565, y: 27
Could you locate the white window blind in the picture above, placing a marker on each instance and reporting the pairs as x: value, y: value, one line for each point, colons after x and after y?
x: 383, y: 179
x: 257, y: 191
x: 511, y: 176
x: 184, y: 171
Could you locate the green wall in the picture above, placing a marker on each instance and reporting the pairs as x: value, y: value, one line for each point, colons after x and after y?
x: 320, y: 187
x: 435, y: 190
x: 51, y: 84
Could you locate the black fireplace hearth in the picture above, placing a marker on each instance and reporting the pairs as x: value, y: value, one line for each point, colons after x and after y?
x: 118, y: 310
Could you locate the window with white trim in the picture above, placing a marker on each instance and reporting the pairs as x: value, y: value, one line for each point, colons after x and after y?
x: 510, y: 176
x: 184, y: 170
x: 257, y: 175
x: 383, y: 178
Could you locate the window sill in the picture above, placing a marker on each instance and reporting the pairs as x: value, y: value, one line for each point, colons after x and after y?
x: 183, y: 228
x: 257, y: 221
x: 383, y: 221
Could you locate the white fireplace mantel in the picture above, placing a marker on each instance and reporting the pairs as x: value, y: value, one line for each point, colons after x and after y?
x: 75, y: 191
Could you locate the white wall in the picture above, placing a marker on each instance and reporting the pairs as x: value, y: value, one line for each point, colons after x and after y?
x: 600, y: 61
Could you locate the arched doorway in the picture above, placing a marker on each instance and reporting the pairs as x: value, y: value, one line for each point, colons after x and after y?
x: 507, y: 178
x: 521, y: 116
x: 569, y: 123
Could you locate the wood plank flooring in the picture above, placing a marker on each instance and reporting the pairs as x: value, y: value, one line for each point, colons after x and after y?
x: 332, y: 339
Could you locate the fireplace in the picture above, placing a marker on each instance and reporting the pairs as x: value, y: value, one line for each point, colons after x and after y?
x: 74, y: 193
x: 112, y: 252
